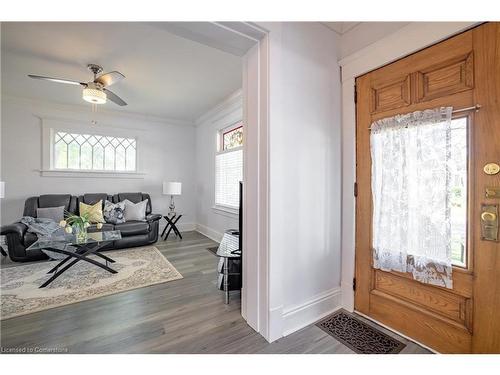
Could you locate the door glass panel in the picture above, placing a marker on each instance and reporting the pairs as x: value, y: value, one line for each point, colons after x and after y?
x: 459, y: 188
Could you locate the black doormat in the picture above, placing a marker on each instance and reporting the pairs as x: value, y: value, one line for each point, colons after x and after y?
x: 213, y: 250
x: 359, y: 336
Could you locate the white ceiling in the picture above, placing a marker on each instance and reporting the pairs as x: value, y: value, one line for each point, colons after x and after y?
x: 166, y: 75
x: 341, y: 27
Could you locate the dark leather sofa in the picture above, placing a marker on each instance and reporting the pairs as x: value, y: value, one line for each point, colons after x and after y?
x: 134, y: 233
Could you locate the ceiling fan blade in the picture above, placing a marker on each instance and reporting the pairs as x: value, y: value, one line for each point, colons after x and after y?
x: 110, y: 78
x: 57, y: 80
x: 114, y: 98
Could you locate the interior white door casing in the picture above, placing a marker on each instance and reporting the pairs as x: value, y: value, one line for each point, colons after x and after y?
x: 291, y: 89
x: 405, y: 41
x: 292, y: 128
x: 255, y: 191
x: 255, y: 291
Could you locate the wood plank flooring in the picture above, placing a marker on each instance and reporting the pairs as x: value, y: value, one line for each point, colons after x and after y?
x: 182, y: 316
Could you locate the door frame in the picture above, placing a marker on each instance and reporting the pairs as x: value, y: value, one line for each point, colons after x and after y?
x: 250, y: 42
x: 397, y: 45
x: 256, y: 290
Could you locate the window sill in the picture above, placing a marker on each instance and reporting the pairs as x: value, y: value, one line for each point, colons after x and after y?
x: 91, y: 174
x: 226, y: 211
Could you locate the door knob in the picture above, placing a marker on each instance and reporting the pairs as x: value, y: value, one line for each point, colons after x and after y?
x: 488, y: 216
x: 489, y: 222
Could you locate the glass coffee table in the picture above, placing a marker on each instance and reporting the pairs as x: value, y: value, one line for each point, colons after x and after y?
x: 229, y: 248
x: 76, y: 250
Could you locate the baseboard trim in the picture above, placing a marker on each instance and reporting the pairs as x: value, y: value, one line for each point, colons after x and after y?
x: 320, y: 306
x: 274, y: 329
x: 209, y: 232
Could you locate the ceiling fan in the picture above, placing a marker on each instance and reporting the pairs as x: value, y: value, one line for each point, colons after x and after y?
x: 96, y: 91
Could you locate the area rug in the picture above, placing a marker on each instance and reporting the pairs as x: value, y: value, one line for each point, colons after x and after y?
x: 359, y: 336
x: 137, y: 268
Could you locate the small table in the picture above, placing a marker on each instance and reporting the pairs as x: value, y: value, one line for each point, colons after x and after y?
x: 77, y: 250
x: 229, y: 248
x: 171, y: 221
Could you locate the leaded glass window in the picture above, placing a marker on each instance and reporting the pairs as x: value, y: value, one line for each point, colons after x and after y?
x: 94, y: 152
x: 232, y: 138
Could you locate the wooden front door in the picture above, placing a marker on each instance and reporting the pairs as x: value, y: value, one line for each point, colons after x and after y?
x: 460, y: 72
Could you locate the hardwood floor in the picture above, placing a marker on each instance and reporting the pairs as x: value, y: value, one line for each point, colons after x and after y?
x: 182, y: 316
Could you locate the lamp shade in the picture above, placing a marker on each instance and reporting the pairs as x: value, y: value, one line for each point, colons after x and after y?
x: 172, y: 188
x: 2, y: 189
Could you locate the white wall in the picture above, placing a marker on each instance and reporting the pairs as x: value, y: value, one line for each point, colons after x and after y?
x: 366, y: 33
x: 167, y: 149
x: 305, y: 174
x: 213, y: 222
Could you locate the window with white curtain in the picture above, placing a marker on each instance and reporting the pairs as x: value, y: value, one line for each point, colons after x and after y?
x: 419, y: 188
x: 229, y: 166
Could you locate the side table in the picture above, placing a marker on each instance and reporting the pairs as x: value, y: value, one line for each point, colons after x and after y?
x: 171, y: 225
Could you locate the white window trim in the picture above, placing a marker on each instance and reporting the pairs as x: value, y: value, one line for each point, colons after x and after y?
x: 51, y: 126
x: 230, y: 150
x: 225, y: 210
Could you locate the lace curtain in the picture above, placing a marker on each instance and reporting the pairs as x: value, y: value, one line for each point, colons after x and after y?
x: 411, y: 195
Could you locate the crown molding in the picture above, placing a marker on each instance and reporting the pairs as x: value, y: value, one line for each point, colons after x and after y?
x: 101, y: 115
x: 233, y: 100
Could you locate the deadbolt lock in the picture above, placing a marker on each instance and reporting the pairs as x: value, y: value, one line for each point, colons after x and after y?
x: 489, y: 222
x: 492, y: 192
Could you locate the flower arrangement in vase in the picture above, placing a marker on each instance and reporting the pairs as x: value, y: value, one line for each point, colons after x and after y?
x: 77, y: 224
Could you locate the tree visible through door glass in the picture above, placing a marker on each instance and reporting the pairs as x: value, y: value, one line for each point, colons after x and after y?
x: 458, y: 181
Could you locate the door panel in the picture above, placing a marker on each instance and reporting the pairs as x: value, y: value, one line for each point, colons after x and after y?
x: 390, y: 95
x: 458, y: 72
x: 446, y: 78
x: 442, y: 302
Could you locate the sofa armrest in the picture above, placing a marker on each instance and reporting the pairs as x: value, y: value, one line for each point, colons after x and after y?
x: 15, y: 228
x: 153, y: 217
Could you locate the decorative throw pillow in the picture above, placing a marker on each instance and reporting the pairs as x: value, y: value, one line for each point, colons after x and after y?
x: 53, y: 213
x: 135, y: 211
x: 94, y: 211
x: 114, y: 213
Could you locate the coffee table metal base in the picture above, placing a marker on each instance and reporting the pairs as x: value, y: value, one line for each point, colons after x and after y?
x: 82, y: 253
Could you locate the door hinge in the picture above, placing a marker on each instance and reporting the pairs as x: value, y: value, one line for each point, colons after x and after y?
x: 354, y: 284
x: 355, y: 94
x: 355, y: 189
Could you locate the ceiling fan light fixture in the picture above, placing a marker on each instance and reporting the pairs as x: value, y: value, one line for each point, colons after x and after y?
x: 94, y: 96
